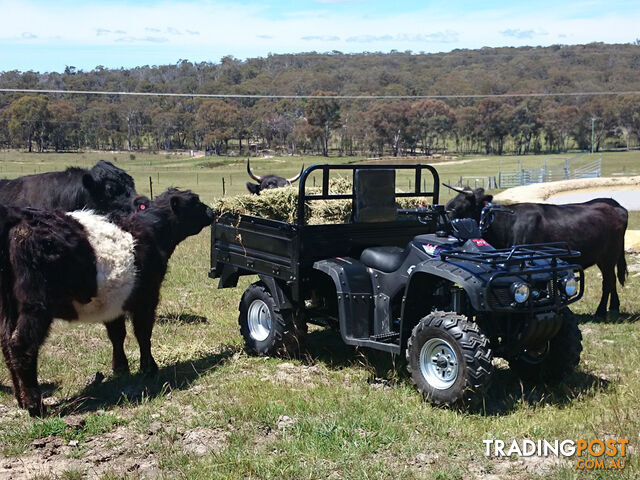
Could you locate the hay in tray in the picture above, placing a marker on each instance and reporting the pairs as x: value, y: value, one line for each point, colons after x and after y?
x: 282, y: 204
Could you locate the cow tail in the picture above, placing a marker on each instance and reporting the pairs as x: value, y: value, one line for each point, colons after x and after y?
x: 623, y: 273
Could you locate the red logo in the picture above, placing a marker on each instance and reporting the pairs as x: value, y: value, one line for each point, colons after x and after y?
x: 480, y: 242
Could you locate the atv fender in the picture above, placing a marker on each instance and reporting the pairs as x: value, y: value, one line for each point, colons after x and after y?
x: 355, y: 297
x: 413, y: 303
x: 278, y: 293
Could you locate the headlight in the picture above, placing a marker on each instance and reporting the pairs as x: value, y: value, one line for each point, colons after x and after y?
x: 520, y: 292
x: 570, y: 286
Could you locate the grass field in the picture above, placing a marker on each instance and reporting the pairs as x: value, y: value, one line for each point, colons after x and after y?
x: 215, y: 412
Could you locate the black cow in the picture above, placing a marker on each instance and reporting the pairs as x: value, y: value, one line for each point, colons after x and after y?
x: 104, y: 189
x: 595, y: 228
x: 84, y: 267
x: 268, y: 181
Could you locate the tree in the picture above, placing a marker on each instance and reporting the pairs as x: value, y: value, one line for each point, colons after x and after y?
x: 431, y: 120
x: 324, y: 114
x: 216, y: 122
x: 467, y: 129
x: 557, y: 124
x: 629, y: 117
x: 525, y: 125
x: 64, y: 125
x: 389, y: 122
x: 495, y: 118
x: 28, y: 121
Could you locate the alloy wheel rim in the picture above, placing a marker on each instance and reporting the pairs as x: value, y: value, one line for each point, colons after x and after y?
x: 259, y: 320
x: 439, y: 363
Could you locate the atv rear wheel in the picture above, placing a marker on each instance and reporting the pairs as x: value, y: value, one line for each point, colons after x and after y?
x: 265, y: 329
x: 449, y: 359
x: 556, y: 358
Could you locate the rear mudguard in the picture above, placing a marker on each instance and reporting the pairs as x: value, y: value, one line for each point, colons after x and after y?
x: 356, y: 301
x: 429, y: 272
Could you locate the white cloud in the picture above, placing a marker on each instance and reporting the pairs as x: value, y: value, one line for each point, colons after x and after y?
x: 523, y: 34
x: 245, y: 30
x: 321, y: 38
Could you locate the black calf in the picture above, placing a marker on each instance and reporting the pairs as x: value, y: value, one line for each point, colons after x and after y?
x: 80, y: 266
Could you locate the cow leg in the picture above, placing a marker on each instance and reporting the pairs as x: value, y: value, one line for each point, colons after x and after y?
x: 24, y: 345
x: 6, y: 351
x: 117, y: 332
x: 614, y: 304
x: 143, y: 326
x: 608, y: 285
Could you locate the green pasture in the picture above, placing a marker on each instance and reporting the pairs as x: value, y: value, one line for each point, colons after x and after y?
x: 214, y: 411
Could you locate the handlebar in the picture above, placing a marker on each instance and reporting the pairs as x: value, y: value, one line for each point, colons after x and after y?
x: 487, y: 215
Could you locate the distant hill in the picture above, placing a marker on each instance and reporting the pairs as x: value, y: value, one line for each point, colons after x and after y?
x: 557, y: 69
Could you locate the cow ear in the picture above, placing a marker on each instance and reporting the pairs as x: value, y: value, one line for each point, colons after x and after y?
x: 253, y: 188
x: 88, y: 182
x: 175, y: 204
x: 9, y: 216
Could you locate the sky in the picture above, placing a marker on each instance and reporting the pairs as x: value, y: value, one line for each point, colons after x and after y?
x: 47, y: 36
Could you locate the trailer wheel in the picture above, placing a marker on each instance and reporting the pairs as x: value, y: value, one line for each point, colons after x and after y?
x: 265, y: 330
x: 556, y: 358
x: 449, y: 359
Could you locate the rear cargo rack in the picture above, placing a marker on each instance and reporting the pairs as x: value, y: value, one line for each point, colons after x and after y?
x: 325, y: 194
x: 514, y: 255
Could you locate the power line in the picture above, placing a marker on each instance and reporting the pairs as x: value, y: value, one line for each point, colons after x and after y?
x: 321, y: 97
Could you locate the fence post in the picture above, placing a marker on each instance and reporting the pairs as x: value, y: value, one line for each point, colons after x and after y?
x: 223, y: 189
x: 150, y: 187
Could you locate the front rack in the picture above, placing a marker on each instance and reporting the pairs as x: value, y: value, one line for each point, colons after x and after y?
x: 518, y: 254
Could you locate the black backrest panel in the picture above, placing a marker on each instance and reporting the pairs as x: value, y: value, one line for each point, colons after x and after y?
x: 375, y: 196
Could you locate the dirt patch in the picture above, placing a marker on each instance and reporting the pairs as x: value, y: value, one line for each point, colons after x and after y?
x: 516, y: 469
x: 120, y: 452
x: 297, y: 375
x: 539, y: 192
x: 201, y: 441
x: 438, y: 160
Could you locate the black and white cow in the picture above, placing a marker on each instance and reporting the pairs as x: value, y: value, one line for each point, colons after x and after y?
x: 268, y: 181
x: 85, y: 267
x: 104, y: 188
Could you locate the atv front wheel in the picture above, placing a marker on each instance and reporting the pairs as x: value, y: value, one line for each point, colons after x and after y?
x: 449, y: 359
x: 554, y: 359
x: 266, y: 330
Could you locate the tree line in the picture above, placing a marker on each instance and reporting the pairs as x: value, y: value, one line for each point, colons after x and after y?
x: 585, y: 118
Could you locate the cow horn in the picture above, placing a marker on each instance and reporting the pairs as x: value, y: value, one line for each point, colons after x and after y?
x: 293, y: 179
x: 459, y: 190
x: 255, y: 177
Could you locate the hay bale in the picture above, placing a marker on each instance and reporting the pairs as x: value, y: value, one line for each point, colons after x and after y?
x: 282, y: 204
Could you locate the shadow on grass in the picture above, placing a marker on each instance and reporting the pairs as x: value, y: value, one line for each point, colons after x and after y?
x: 137, y: 388
x: 182, y: 318
x: 5, y: 389
x: 326, y: 347
x: 506, y: 393
x: 612, y: 317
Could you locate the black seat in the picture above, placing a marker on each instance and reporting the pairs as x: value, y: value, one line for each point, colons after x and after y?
x: 385, y: 259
